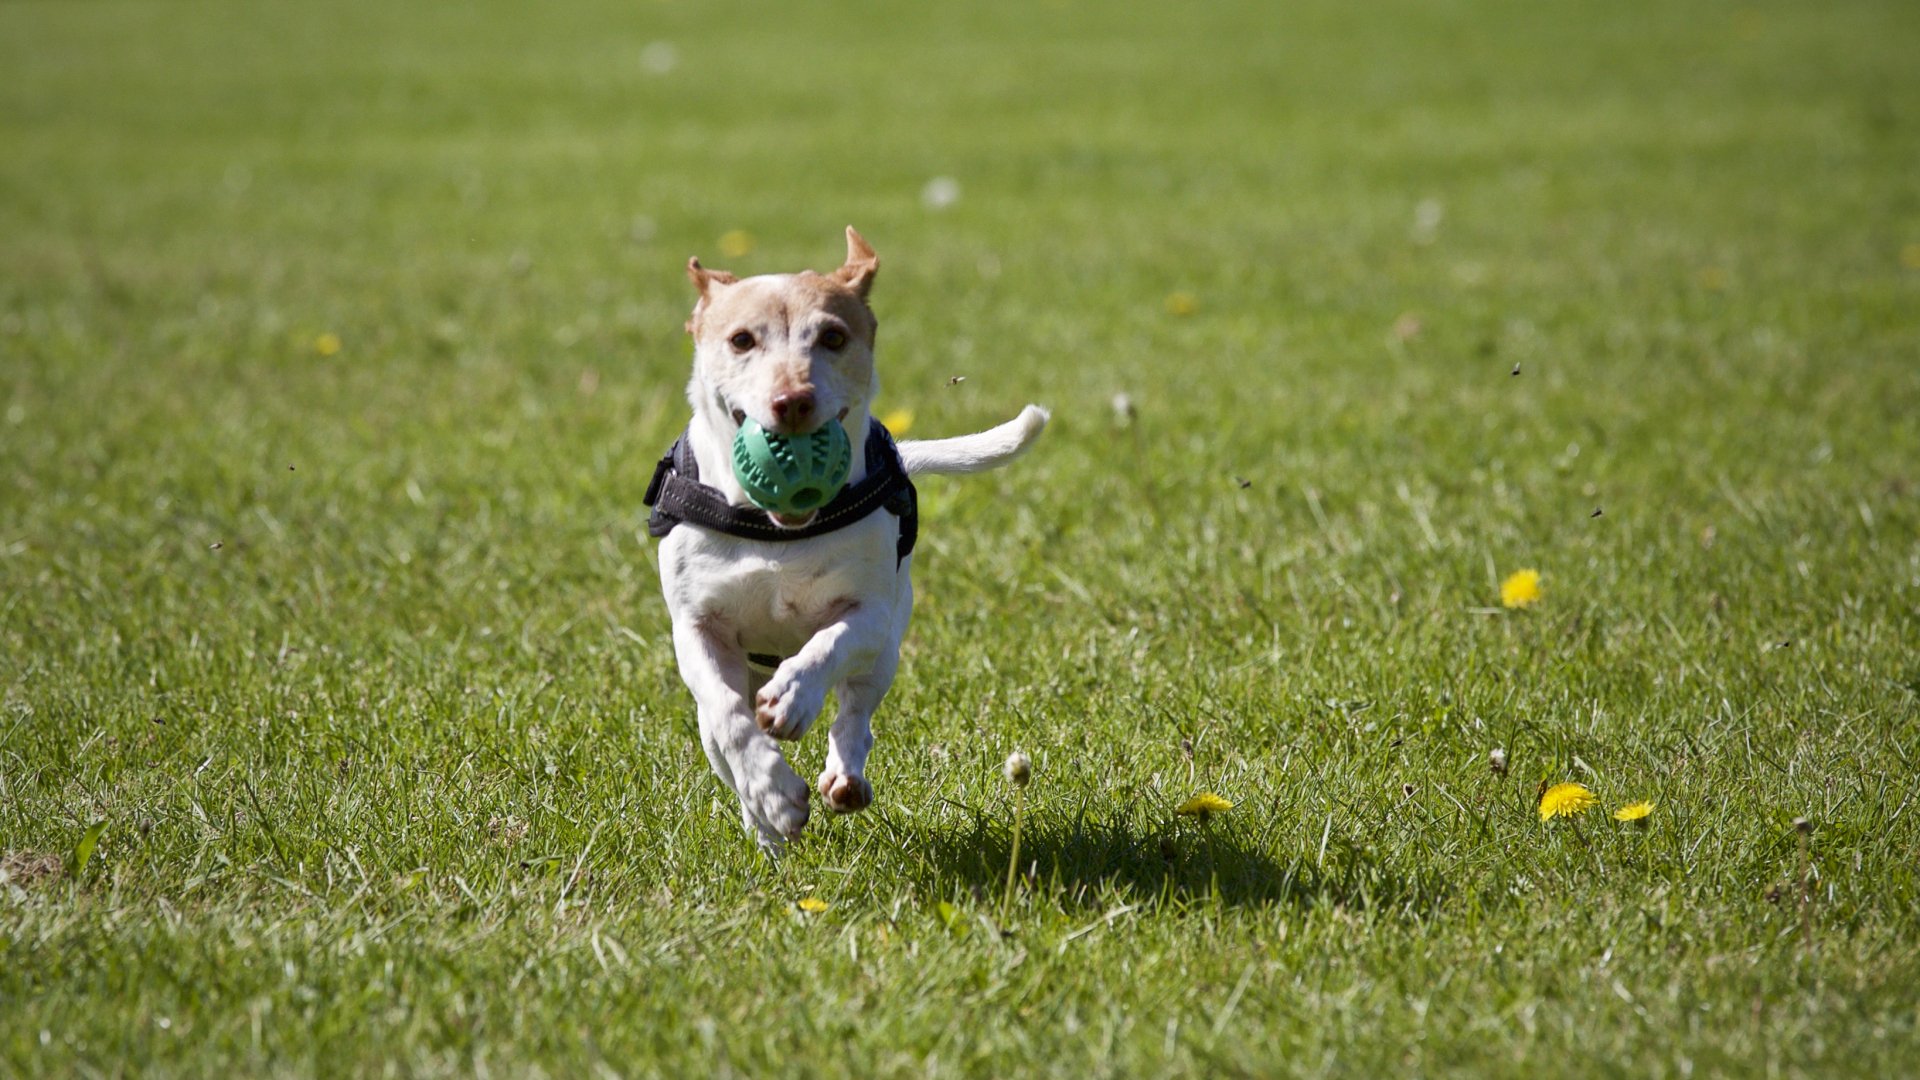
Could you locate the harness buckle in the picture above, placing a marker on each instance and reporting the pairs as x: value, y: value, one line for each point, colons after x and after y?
x: 660, y: 470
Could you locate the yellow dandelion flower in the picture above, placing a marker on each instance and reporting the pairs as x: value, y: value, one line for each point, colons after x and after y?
x: 1565, y: 800
x: 1206, y: 804
x: 736, y: 243
x: 1182, y: 303
x: 1520, y: 589
x: 812, y: 905
x: 327, y: 344
x: 1633, y: 811
x: 897, y: 421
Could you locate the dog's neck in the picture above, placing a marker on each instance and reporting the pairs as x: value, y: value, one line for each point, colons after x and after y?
x: 712, y: 432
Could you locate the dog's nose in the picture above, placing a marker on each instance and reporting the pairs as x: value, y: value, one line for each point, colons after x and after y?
x: 794, y: 409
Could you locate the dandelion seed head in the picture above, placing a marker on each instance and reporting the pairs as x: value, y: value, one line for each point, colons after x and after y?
x: 940, y: 193
x: 659, y: 57
x: 1427, y: 215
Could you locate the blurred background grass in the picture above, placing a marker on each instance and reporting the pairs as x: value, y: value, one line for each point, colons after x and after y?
x: 337, y: 342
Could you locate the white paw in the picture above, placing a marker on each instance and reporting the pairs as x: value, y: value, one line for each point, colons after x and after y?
x: 846, y: 793
x: 773, y: 803
x: 788, y: 705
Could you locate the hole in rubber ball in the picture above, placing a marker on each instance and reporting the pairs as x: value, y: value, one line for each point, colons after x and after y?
x: 806, y: 498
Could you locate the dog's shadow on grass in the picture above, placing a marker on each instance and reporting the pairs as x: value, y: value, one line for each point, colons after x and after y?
x: 1090, y: 862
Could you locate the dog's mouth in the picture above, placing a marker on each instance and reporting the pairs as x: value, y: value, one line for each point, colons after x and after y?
x: 785, y: 521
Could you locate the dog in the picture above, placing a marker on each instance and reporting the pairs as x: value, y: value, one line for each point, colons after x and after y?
x: 772, y: 611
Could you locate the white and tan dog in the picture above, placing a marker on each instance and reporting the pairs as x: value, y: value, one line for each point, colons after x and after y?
x: 795, y: 351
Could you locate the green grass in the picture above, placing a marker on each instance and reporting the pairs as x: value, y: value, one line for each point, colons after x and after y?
x: 361, y: 660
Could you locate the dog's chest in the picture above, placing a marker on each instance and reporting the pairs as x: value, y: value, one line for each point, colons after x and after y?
x: 776, y: 596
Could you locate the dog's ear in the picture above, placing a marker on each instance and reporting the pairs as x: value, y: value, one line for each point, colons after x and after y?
x: 704, y: 280
x: 857, y: 273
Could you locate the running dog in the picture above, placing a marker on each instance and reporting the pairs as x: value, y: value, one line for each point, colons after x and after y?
x: 772, y: 611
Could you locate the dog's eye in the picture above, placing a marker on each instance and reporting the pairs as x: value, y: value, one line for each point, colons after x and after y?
x: 741, y: 341
x: 833, y: 338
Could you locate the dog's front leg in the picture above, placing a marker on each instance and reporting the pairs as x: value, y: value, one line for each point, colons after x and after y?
x: 849, y: 644
x: 773, y: 799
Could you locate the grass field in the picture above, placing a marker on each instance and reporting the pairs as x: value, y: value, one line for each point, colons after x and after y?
x: 337, y: 342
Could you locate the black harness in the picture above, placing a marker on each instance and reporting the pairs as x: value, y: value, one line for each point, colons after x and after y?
x: 677, y: 495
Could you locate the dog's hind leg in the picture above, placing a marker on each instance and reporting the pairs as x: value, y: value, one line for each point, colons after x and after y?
x: 773, y: 800
x: 843, y: 782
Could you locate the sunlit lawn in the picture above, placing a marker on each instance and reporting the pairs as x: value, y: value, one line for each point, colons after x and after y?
x: 337, y: 342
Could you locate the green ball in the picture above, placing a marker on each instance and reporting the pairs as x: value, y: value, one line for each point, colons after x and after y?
x: 791, y: 474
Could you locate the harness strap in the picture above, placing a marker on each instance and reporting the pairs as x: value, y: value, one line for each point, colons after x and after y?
x: 676, y: 495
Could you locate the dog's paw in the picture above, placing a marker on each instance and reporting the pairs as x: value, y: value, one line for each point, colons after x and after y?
x: 764, y: 836
x: 787, y: 706
x: 775, y: 806
x: 845, y: 793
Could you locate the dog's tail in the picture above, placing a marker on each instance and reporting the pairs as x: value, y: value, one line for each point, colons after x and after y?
x: 978, y: 452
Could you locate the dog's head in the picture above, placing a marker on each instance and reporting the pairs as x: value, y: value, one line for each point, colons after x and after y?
x: 792, y: 351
